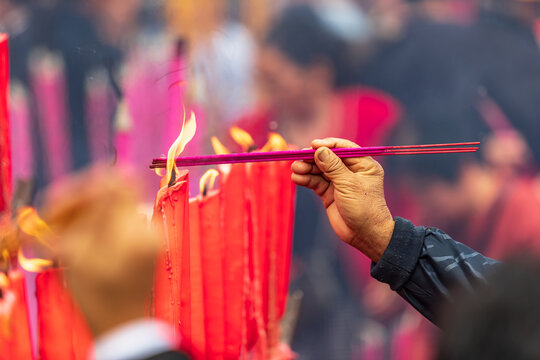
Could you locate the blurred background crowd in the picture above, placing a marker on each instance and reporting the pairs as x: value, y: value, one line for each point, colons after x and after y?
x: 107, y: 80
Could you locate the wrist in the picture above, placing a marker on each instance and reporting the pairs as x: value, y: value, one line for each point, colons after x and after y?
x: 374, y: 241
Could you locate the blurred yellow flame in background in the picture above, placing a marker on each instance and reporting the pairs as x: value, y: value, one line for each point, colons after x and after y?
x: 4, y: 280
x: 208, y: 177
x: 275, y: 143
x: 242, y: 138
x: 219, y: 148
x: 31, y: 224
x: 33, y: 265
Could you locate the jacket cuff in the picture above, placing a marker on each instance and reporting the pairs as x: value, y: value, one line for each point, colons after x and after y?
x: 401, y: 256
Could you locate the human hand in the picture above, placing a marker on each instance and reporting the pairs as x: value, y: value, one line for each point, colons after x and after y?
x: 352, y: 191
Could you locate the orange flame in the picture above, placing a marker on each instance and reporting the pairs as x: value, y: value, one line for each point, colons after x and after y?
x: 275, y: 143
x: 4, y: 280
x: 31, y: 224
x: 33, y: 265
x: 208, y: 177
x: 242, y: 138
x: 186, y: 134
x: 160, y: 172
x: 219, y: 148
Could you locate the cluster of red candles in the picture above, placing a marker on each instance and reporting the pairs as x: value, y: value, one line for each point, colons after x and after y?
x: 222, y: 278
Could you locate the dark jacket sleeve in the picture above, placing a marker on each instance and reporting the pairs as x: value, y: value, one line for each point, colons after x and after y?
x: 423, y: 263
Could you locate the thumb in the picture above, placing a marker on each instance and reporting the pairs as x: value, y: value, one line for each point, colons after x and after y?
x: 331, y: 165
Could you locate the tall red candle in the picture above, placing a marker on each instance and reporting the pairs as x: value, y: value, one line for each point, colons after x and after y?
x: 5, y: 143
x: 234, y: 220
x: 272, y: 212
x: 15, y: 341
x: 198, y: 334
x: 172, y: 301
x: 212, y: 248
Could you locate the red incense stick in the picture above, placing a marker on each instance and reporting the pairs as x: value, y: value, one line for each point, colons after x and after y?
x: 309, y: 153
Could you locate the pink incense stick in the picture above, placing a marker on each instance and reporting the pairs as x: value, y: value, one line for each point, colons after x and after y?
x: 309, y: 153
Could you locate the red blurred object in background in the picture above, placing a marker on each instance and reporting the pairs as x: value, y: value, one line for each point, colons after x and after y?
x: 15, y: 341
x: 63, y: 333
x: 5, y: 143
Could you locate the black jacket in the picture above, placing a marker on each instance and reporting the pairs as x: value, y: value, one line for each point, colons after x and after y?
x: 423, y: 263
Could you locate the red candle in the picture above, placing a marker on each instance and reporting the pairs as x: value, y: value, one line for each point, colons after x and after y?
x: 63, y: 333
x: 272, y: 211
x: 234, y: 220
x: 259, y: 210
x: 212, y: 249
x: 198, y: 334
x: 5, y: 143
x: 172, y: 282
x: 15, y: 340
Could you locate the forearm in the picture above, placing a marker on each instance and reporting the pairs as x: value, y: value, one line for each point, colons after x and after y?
x: 422, y: 264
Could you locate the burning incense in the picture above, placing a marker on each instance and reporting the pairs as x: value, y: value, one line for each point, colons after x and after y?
x: 450, y: 148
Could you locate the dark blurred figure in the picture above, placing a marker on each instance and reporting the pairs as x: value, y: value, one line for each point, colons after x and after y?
x: 489, y: 199
x: 443, y: 73
x: 500, y: 319
x: 308, y: 77
x: 505, y: 60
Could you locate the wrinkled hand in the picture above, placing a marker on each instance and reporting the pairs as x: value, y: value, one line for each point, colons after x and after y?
x: 106, y: 247
x: 352, y: 191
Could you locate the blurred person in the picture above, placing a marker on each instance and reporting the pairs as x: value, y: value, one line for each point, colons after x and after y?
x: 454, y: 68
x: 109, y: 252
x: 420, y: 60
x: 489, y: 201
x: 500, y: 319
x: 116, y: 20
x: 505, y: 58
x: 307, y: 71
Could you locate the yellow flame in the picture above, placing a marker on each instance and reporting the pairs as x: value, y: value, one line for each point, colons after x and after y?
x: 219, y: 148
x: 5, y: 259
x: 33, y: 265
x: 31, y: 224
x: 275, y: 143
x: 160, y: 172
x: 242, y: 138
x: 4, y: 280
x: 186, y: 134
x: 208, y: 177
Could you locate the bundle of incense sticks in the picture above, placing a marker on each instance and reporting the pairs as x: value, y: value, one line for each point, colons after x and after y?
x: 449, y: 148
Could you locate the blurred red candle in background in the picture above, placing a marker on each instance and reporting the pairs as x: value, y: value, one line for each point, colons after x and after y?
x: 15, y: 341
x: 63, y: 333
x: 5, y: 143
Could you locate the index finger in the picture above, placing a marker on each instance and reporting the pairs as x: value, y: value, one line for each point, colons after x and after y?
x: 332, y: 142
x: 355, y: 164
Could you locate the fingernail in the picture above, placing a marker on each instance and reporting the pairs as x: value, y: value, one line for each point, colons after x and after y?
x: 323, y: 155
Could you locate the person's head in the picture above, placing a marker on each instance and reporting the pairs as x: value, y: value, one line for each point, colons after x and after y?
x: 303, y: 59
x: 499, y: 319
